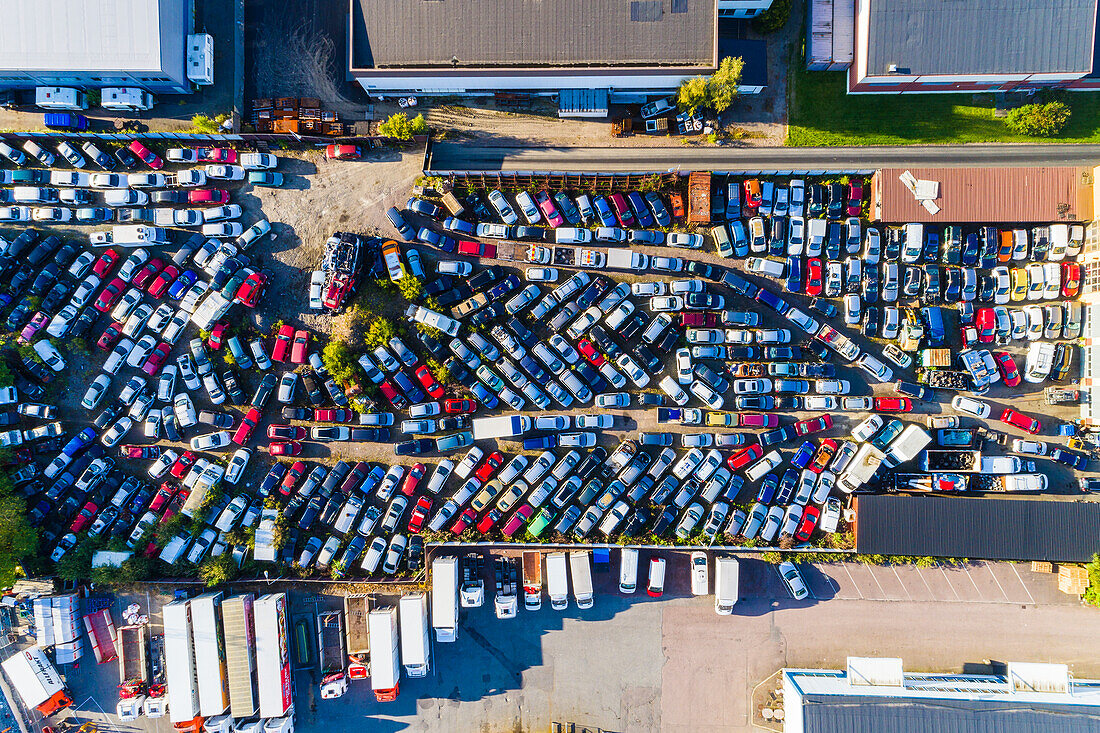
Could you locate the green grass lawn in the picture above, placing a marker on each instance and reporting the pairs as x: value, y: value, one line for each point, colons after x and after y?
x: 821, y: 113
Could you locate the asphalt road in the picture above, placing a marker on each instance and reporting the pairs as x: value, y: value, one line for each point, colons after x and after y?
x: 461, y: 157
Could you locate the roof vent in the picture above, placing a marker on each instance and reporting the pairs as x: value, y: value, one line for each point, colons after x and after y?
x: 874, y: 671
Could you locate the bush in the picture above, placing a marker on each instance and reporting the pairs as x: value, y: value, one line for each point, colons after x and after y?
x: 339, y: 361
x: 772, y: 19
x: 218, y: 570
x: 410, y: 288
x: 1038, y: 120
x: 1092, y: 593
x: 379, y: 333
x: 400, y: 127
x: 206, y: 125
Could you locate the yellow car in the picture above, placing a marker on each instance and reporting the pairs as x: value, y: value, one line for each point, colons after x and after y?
x: 1019, y: 284
x: 720, y: 420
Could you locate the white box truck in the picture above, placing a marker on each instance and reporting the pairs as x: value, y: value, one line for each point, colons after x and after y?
x: 179, y: 656
x: 240, y: 654
x: 60, y: 98
x: 37, y: 681
x: 333, y: 657
x: 272, y: 656
x: 385, y: 665
x: 907, y: 446
x: 580, y: 565
x: 557, y: 583
x: 356, y: 613
x: 627, y: 259
x: 415, y: 649
x: 129, y: 99
x: 210, y: 669
x: 532, y: 580
x: 445, y: 598
x: 133, y: 672
x: 502, y: 426
x: 726, y: 577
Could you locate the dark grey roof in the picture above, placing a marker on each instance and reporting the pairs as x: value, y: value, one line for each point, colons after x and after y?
x: 980, y: 36
x: 867, y: 714
x: 479, y: 33
x: 979, y: 528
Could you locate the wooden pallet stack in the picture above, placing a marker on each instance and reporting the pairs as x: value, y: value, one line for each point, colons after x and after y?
x: 1073, y: 579
x: 296, y: 115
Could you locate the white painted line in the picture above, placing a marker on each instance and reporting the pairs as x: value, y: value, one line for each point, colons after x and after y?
x: 976, y: 588
x: 949, y: 583
x: 854, y: 583
x: 880, y: 588
x: 931, y: 593
x: 901, y: 583
x: 1023, y: 585
x: 990, y: 569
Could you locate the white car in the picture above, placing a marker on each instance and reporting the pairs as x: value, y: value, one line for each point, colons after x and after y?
x: 648, y: 289
x: 141, y: 351
x: 224, y: 172
x: 316, y: 290
x: 971, y: 406
x: 577, y: 440
x: 867, y: 428
x: 49, y: 355
x: 255, y: 232
x: 1029, y: 447
x: 211, y: 441
x: 666, y: 303
x: 51, y: 214
x: 541, y: 274
x: 793, y: 580
x: 163, y: 463
x: 609, y: 400
x: 222, y: 229
x: 687, y: 241
x: 258, y: 161
x: 553, y: 423
x: 96, y: 391
x: 117, y: 432
x: 185, y: 411
x: 221, y: 213
x: 832, y: 386
x: 701, y: 390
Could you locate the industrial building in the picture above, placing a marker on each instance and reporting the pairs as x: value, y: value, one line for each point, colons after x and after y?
x: 90, y: 45
x: 610, y: 50
x: 875, y: 695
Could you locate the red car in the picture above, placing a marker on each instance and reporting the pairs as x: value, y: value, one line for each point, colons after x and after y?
x: 893, y: 404
x: 420, y: 513
x: 216, y: 335
x: 701, y: 320
x: 343, y: 152
x: 1071, y: 279
x: 412, y: 479
x: 477, y: 249
x: 106, y: 261
x: 810, y: 515
x: 589, y: 352
x: 430, y: 385
x: 299, y: 347
x: 1009, y: 373
x: 986, y: 322
x: 162, y: 497
x: 282, y: 343
x: 855, y: 197
x: 86, y: 515
x: 813, y: 425
x: 109, y: 295
x: 160, y: 283
x: 489, y: 466
x: 248, y: 424
x: 217, y: 155
x: 518, y: 520
x: 150, y: 158
x: 745, y: 456
x: 677, y: 201
x: 156, y: 358
x: 391, y: 394
x: 824, y: 454
x: 753, y: 195
x: 968, y: 335
x: 292, y: 475
x: 109, y: 336
x: 465, y: 520
x: 487, y: 522
x: 183, y: 464
x: 813, y: 276
x: 292, y: 448
x: 1021, y: 421
x: 149, y: 452
x: 286, y: 432
x: 147, y: 272
x: 457, y: 406
x: 758, y: 420
x: 332, y: 415
x: 248, y: 294
x: 208, y: 196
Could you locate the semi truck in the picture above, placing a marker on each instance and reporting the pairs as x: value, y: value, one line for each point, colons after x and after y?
x: 415, y: 646
x: 209, y: 643
x: 627, y: 259
x: 101, y: 635
x: 580, y: 565
x: 179, y: 656
x: 445, y: 598
x: 156, y: 695
x: 532, y: 580
x: 356, y: 613
x: 333, y: 657
x: 133, y: 672
x: 471, y: 593
x: 699, y: 197
x: 272, y: 656
x: 502, y: 426
x: 240, y: 654
x: 861, y: 468
x: 557, y: 582
x: 726, y: 578
x: 505, y: 602
x: 37, y: 681
x: 385, y: 664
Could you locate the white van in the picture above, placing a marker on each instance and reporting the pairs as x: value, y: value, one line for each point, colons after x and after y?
x: 815, y: 237
x: 572, y: 235
x: 34, y: 195
x: 125, y: 98
x: 60, y: 98
x: 656, y: 587
x: 757, y: 470
x: 628, y: 570
x: 580, y: 567
x: 1059, y: 242
x: 914, y: 243
x: 1040, y: 359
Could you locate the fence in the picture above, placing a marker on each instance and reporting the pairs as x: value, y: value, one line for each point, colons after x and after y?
x: 254, y: 139
x: 469, y: 181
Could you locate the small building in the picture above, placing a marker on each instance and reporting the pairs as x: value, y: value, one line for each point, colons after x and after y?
x: 830, y: 34
x: 90, y: 45
x: 973, y: 46
x: 588, y: 53
x: 874, y: 695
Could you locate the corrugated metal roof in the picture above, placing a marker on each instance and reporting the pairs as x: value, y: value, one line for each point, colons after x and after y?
x: 980, y: 36
x: 979, y: 528
x: 411, y: 33
x: 987, y: 195
x: 872, y: 714
x: 77, y: 35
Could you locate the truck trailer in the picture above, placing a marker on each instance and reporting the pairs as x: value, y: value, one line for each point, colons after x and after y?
x: 210, y: 667
x: 356, y: 613
x: 101, y: 635
x: 557, y: 581
x: 580, y: 565
x: 956, y: 461
x: 37, y: 681
x: 445, y: 598
x: 532, y: 580
x: 627, y: 259
x: 385, y: 666
x: 333, y: 657
x: 726, y: 579
x: 502, y: 426
x: 179, y: 655
x: 133, y: 672
x: 272, y: 656
x: 505, y: 603
x: 415, y: 647
x: 156, y: 696
x: 240, y: 654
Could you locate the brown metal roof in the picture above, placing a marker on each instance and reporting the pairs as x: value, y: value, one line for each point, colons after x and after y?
x: 987, y: 195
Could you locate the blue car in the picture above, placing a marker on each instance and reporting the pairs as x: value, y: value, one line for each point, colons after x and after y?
x: 399, y: 223
x: 794, y: 275
x: 767, y: 489
x: 372, y: 480
x: 182, y: 284
x: 772, y: 300
x: 79, y: 442
x: 484, y: 397
x: 660, y: 213
x: 733, y: 488
x: 970, y: 250
x: 641, y: 211
x: 541, y: 443
x: 802, y: 456
x: 458, y: 226
x: 604, y: 213
x: 406, y: 385
x: 1071, y: 459
x: 787, y: 485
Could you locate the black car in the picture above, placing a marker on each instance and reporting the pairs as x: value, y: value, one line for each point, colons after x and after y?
x: 65, y: 256
x: 170, y: 426
x: 1063, y: 360
x: 407, y: 232
x: 781, y: 353
x: 870, y: 321
x: 703, y: 269
x: 22, y: 277
x: 408, y: 387
x: 331, y: 509
x: 664, y: 522
x: 313, y: 389
x: 651, y: 399
x: 43, y: 250
x: 335, y: 477
x: 742, y: 353
x: 441, y: 284
x: 951, y: 253
x: 459, y: 293
x: 169, y: 197
x: 487, y: 315
x: 1040, y: 243
x: 19, y: 314
x: 217, y: 419
x: 647, y: 359
x: 296, y: 413
x: 833, y: 240
x: 604, y: 342
x: 777, y: 237
x: 778, y: 435
x: 870, y: 283
x: 1070, y: 458
x: 635, y: 325
x: 264, y: 390
x: 521, y: 332
x: 837, y: 200
x: 336, y: 393
x: 36, y: 371
x: 911, y: 287
x: 414, y: 447
x: 953, y: 288
x: 823, y: 307
x: 668, y: 342
x: 433, y: 346
x: 634, y: 522
x: 931, y: 251
x: 971, y: 249
x: 481, y: 211
x: 712, y: 379
x: 233, y: 388
x: 755, y: 402
x: 589, y: 374
x: 58, y: 294
x: 591, y: 461
x: 126, y: 158
x: 371, y: 435
x: 485, y: 278
x: 931, y: 284
x: 817, y: 200
x: 817, y: 371
x: 987, y: 288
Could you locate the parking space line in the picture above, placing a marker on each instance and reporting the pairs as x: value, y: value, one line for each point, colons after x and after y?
x: 854, y: 583
x: 976, y: 588
x: 920, y: 574
x: 995, y: 580
x: 949, y: 583
x: 880, y: 588
x: 901, y: 583
x: 1030, y: 598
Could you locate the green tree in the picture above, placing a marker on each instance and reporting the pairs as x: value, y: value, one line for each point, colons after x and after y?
x: 1038, y: 120
x: 77, y: 562
x: 692, y: 94
x: 339, y: 361
x: 417, y: 125
x: 218, y: 570
x: 722, y: 86
x: 400, y: 127
x: 441, y: 373
x: 208, y: 126
x: 379, y: 333
x: 18, y: 539
x: 410, y: 288
x: 1092, y: 593
x: 772, y: 19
